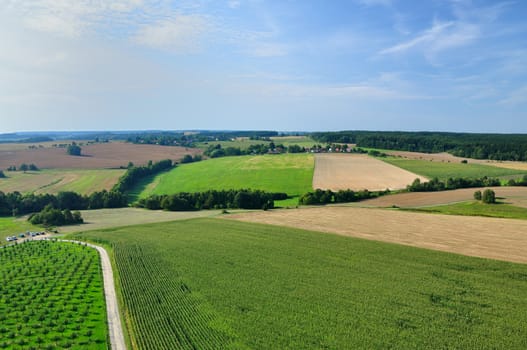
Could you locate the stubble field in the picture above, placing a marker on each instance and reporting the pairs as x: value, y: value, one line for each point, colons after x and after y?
x: 512, y: 195
x: 83, y: 181
x: 336, y: 171
x: 503, y: 239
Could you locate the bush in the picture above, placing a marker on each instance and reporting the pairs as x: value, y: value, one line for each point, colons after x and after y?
x: 477, y: 195
x: 488, y: 197
x: 73, y: 149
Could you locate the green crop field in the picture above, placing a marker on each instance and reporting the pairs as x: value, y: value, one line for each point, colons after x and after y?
x: 56, y: 180
x: 473, y: 208
x: 289, y: 173
x: 445, y: 170
x: 221, y: 284
x: 51, y: 297
x: 302, y: 141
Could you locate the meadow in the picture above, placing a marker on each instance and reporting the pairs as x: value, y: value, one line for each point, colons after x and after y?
x: 244, y: 143
x: 223, y: 284
x: 51, y: 296
x: 445, y: 170
x: 289, y: 173
x: 474, y: 208
x: 10, y: 226
x: 83, y: 181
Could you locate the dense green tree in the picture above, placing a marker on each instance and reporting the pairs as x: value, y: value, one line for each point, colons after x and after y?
x: 2, y: 175
x: 477, y: 195
x: 488, y: 196
x: 74, y: 149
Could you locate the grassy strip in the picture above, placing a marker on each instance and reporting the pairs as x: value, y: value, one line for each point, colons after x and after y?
x: 443, y: 171
x: 289, y: 173
x: 474, y: 208
x: 52, y: 297
x: 218, y: 284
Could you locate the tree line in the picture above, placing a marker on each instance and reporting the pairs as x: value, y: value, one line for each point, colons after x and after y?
x: 168, y: 138
x: 16, y: 203
x: 343, y: 196
x: 451, y: 184
x: 50, y: 216
x: 135, y: 173
x: 216, y: 151
x: 226, y: 199
x: 478, y: 146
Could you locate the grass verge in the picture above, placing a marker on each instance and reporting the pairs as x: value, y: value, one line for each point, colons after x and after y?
x: 445, y: 170
x: 474, y: 208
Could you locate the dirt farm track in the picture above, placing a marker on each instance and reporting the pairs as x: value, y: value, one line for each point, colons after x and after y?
x: 502, y: 239
x: 101, y: 155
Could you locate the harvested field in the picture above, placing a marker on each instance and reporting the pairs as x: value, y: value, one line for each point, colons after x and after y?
x: 83, y: 181
x: 502, y: 239
x: 512, y: 195
x: 448, y: 158
x: 109, y: 218
x: 358, y: 172
x: 100, y: 155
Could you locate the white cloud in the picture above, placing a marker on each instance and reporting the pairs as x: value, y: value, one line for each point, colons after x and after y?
x: 234, y: 4
x: 429, y: 37
x: 179, y: 34
x: 73, y: 18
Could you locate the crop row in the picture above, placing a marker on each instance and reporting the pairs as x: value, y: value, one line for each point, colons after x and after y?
x: 164, y: 313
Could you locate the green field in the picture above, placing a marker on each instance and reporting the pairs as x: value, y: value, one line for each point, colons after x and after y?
x: 244, y: 143
x: 302, y: 141
x: 289, y: 173
x: 51, y: 297
x: 474, y: 208
x: 56, y: 180
x: 445, y: 170
x: 10, y: 226
x: 221, y: 284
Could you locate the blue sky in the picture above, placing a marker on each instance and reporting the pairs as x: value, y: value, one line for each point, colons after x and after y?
x: 456, y: 65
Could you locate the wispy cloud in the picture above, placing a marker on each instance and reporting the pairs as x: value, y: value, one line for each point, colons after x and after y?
x: 152, y: 23
x: 234, y: 4
x: 468, y: 25
x: 179, y: 34
x: 439, y: 37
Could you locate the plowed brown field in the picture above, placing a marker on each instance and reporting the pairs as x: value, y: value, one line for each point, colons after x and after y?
x: 95, y: 156
x: 337, y: 171
x: 503, y: 239
x: 513, y: 195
